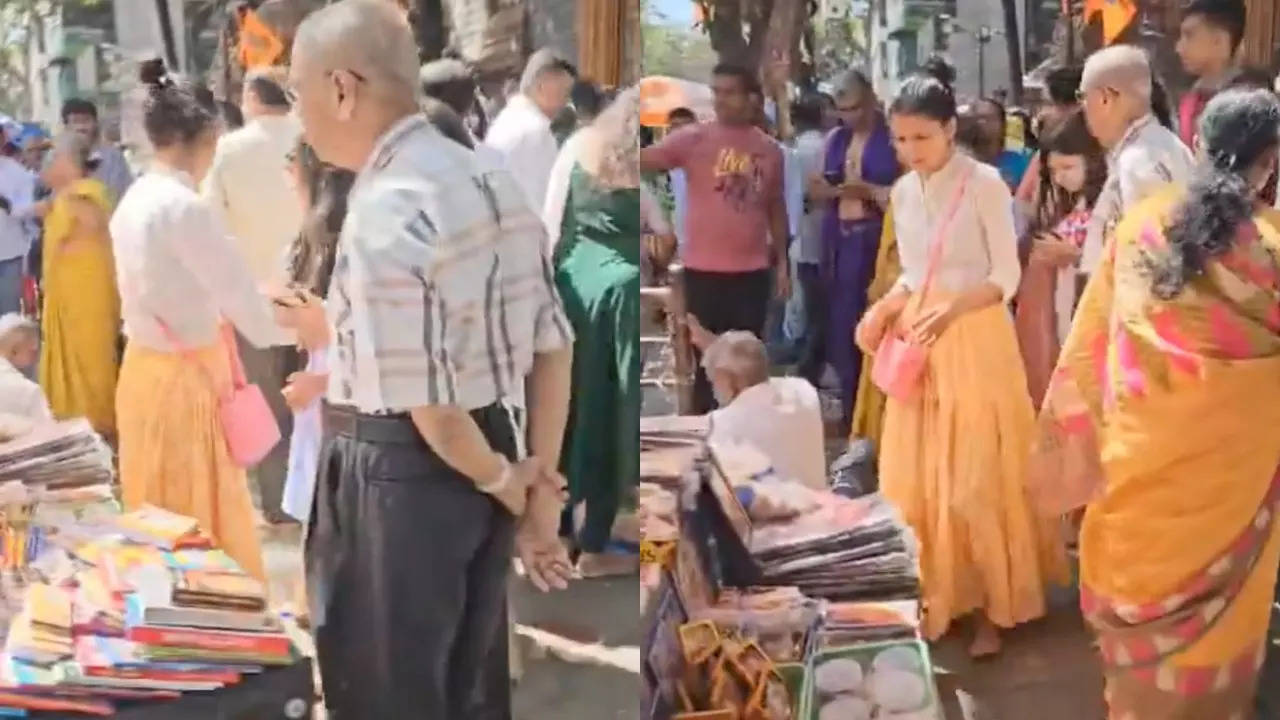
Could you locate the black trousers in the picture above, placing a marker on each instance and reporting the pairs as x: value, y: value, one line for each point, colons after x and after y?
x: 407, y: 568
x: 724, y: 302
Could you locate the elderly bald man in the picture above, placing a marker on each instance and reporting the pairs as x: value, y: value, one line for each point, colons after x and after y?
x: 441, y: 307
x: 1142, y: 155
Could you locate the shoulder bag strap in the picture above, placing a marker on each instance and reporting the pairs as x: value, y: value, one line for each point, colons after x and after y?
x: 237, y: 370
x: 940, y: 233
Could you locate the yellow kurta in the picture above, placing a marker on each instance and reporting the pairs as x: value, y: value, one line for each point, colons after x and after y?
x: 81, y: 314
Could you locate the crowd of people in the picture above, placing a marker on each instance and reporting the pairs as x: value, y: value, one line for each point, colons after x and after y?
x: 403, y: 284
x: 1074, y: 330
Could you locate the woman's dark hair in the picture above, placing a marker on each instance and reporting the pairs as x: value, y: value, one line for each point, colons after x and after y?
x: 312, y: 256
x: 939, y: 69
x: 174, y: 111
x: 1160, y: 105
x: 1069, y: 135
x: 588, y: 100
x: 232, y: 117
x: 1063, y: 83
x: 927, y: 96
x: 1238, y: 129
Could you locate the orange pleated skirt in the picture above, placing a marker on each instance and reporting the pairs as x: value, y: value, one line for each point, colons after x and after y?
x: 954, y: 460
x: 172, y: 450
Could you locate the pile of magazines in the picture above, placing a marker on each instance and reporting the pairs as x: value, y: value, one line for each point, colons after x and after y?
x: 64, y: 454
x: 845, y: 550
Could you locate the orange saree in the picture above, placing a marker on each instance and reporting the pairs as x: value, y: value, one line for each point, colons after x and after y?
x: 1164, y: 416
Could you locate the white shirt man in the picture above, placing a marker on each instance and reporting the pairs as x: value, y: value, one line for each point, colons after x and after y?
x: 521, y: 133
x: 248, y: 184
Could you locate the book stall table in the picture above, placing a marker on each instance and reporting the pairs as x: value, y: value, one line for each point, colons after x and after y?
x: 127, y: 615
x: 765, y: 600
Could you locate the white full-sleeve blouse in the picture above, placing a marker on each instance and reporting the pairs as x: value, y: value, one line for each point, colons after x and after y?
x: 177, y: 264
x: 980, y: 243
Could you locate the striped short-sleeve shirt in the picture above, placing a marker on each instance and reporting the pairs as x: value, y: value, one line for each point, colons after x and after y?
x: 441, y: 290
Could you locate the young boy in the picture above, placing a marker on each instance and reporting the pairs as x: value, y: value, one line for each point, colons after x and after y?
x: 1211, y: 33
x: 19, y: 350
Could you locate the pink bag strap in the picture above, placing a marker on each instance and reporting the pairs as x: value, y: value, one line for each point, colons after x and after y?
x: 226, y: 338
x: 940, y: 233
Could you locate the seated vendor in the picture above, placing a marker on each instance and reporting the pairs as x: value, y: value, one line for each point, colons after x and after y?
x: 779, y: 416
x: 19, y: 350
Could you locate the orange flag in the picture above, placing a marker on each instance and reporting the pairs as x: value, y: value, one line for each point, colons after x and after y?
x: 1116, y: 16
x: 259, y: 46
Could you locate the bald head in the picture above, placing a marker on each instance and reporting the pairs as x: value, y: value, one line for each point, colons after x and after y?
x: 369, y: 38
x: 1124, y: 69
x: 355, y: 73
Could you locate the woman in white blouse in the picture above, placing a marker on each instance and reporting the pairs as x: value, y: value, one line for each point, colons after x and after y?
x: 954, y: 450
x: 181, y: 279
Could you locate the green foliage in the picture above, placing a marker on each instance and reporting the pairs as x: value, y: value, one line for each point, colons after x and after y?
x: 674, y: 50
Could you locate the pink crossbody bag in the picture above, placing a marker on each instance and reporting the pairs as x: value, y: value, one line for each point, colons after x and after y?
x: 247, y: 422
x: 899, y: 363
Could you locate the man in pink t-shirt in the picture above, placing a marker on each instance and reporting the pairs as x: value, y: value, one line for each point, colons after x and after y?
x: 736, y: 222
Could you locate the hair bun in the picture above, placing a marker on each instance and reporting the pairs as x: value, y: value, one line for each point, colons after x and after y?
x: 939, y: 69
x: 153, y: 74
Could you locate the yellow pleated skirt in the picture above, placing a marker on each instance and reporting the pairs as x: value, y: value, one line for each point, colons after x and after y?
x: 172, y: 450
x: 953, y: 459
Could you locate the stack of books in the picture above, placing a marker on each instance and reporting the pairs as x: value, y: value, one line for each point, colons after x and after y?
x: 150, y: 611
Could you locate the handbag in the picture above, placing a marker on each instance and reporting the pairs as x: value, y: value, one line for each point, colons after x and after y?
x: 899, y: 363
x: 248, y: 425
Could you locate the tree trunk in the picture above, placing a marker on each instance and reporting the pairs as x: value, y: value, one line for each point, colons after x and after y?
x: 724, y: 26
x: 1013, y: 44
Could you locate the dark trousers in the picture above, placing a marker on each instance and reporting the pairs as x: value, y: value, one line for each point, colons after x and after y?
x: 813, y: 352
x: 268, y: 368
x: 724, y: 302
x: 407, y: 568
